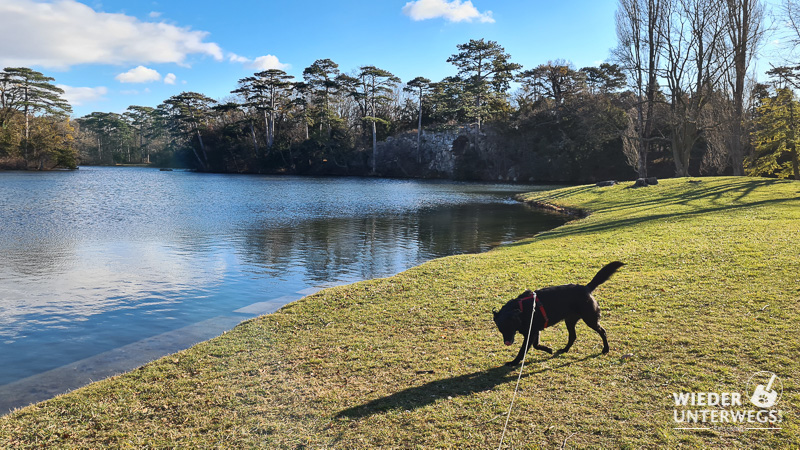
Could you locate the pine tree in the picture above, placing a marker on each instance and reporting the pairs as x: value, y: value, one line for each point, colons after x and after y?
x: 775, y: 137
x: 485, y: 68
x: 421, y: 86
x: 189, y: 112
x: 28, y: 92
x: 266, y: 91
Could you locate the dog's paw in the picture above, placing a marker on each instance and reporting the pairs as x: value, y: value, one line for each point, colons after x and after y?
x: 546, y: 349
x: 605, y: 350
x: 562, y: 351
x: 512, y: 363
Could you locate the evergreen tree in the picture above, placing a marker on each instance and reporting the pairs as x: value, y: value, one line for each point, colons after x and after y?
x: 373, y: 87
x: 486, y: 70
x: 188, y: 113
x: 324, y: 81
x: 775, y: 137
x: 28, y: 92
x: 267, y: 91
x: 421, y: 86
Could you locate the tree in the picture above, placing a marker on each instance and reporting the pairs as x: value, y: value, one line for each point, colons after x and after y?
x: 112, y: 133
x: 449, y: 100
x: 744, y: 27
x: 52, y: 138
x: 693, y: 56
x: 422, y: 86
x: 144, y: 120
x: 486, y: 70
x: 189, y: 113
x: 776, y: 124
x: 323, y: 79
x: 639, y: 31
x: 27, y: 92
x: 302, y: 93
x: 266, y: 91
x: 775, y: 137
x: 371, y: 89
x: 604, y: 79
x: 555, y: 80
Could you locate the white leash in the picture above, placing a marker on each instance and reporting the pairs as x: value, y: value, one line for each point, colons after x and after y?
x: 524, y: 356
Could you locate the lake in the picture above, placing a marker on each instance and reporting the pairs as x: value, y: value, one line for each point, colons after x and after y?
x: 103, y: 269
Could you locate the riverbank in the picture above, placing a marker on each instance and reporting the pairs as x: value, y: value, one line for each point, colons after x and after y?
x: 708, y: 297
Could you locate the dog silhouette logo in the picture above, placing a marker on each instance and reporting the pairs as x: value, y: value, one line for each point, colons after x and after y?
x: 764, y: 389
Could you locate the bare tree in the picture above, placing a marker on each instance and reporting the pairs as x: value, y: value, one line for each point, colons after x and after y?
x: 693, y: 58
x: 791, y: 11
x: 639, y: 31
x: 744, y: 24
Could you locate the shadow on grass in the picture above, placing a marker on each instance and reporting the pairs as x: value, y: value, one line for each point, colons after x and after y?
x: 428, y: 393
x: 741, y: 192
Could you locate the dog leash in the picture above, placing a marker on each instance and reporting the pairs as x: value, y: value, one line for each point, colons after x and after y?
x: 519, y: 377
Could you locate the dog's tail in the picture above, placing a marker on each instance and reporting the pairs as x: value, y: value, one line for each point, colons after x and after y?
x: 603, y: 275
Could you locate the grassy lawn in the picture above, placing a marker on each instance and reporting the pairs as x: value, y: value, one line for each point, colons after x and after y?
x: 709, y: 296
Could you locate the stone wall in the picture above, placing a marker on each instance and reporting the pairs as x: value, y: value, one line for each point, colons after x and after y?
x: 440, y: 152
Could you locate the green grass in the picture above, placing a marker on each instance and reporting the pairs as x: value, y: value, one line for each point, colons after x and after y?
x: 710, y: 294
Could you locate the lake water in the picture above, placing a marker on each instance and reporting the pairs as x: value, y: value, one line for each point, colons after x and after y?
x: 102, y: 258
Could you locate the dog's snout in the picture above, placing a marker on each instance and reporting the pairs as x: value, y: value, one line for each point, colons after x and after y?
x: 509, y: 342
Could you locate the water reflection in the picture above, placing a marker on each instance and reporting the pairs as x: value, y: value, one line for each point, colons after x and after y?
x: 102, y: 257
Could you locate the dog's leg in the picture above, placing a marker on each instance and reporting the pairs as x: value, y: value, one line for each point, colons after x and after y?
x: 593, y: 324
x: 534, y: 342
x: 570, y: 323
x: 520, y: 354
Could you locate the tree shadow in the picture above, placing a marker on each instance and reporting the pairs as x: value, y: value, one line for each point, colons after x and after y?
x: 428, y: 393
x: 740, y: 193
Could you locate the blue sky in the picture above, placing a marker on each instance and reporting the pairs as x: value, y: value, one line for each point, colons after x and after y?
x: 110, y: 54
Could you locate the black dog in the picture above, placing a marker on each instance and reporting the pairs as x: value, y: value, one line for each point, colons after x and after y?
x: 569, y: 303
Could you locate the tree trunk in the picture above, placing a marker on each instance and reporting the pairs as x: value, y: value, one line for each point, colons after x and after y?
x: 744, y: 32
x: 419, y: 129
x: 270, y: 130
x: 684, y: 136
x: 374, y: 147
x: 793, y: 142
x: 641, y: 170
x: 255, y: 141
x: 202, y: 146
x: 266, y: 131
x: 203, y: 160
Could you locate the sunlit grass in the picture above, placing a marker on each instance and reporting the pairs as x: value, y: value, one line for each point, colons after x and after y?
x: 710, y: 294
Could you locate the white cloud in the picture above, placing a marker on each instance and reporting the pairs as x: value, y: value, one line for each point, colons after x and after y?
x: 81, y: 95
x: 267, y: 62
x: 170, y: 78
x: 63, y: 33
x: 154, y: 14
x: 140, y: 74
x: 233, y: 57
x: 452, y: 11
